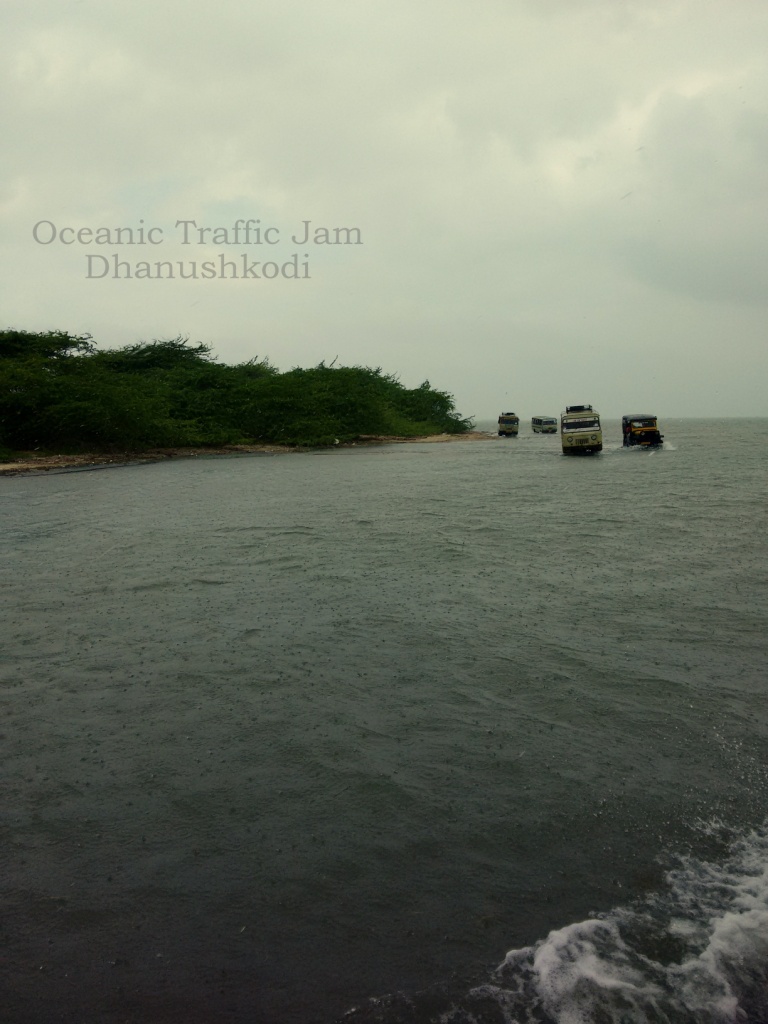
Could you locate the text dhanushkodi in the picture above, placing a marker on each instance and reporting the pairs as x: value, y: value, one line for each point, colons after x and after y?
x: 242, y: 232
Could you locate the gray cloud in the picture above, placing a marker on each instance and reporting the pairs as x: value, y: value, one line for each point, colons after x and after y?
x: 543, y: 190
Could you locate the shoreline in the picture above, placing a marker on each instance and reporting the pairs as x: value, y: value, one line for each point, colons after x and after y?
x: 30, y: 463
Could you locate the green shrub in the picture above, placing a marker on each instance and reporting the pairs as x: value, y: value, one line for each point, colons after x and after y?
x: 57, y: 391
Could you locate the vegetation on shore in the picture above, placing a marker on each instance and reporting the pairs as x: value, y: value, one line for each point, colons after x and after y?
x: 59, y: 393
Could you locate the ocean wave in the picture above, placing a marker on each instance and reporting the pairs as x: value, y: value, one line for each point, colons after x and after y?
x: 696, y: 952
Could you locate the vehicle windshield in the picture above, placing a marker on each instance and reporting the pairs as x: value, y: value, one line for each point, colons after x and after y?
x: 644, y: 423
x: 587, y: 423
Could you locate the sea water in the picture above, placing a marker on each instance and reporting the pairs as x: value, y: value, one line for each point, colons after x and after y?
x: 463, y: 732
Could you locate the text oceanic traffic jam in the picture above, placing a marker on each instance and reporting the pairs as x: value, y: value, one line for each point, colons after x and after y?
x: 221, y: 265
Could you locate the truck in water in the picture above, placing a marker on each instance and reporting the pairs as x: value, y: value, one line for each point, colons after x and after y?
x: 544, y: 424
x: 580, y: 430
x: 641, y: 429
x: 509, y: 424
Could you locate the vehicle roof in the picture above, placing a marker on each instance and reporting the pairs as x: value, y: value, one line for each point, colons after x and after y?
x: 639, y: 416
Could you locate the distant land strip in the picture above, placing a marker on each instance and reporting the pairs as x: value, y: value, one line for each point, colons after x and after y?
x: 28, y: 462
x: 59, y: 393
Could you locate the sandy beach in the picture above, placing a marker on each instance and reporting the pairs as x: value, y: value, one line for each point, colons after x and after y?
x: 29, y: 462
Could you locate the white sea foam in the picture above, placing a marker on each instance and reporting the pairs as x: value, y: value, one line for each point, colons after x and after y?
x: 616, y: 967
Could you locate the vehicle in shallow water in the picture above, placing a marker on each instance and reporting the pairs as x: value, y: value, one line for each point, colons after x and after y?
x: 641, y: 429
x: 509, y: 424
x: 580, y: 430
x: 544, y: 424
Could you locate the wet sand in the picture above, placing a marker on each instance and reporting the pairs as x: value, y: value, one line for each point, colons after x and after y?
x: 29, y: 462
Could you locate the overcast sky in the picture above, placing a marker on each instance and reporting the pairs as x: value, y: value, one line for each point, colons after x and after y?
x: 556, y: 201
